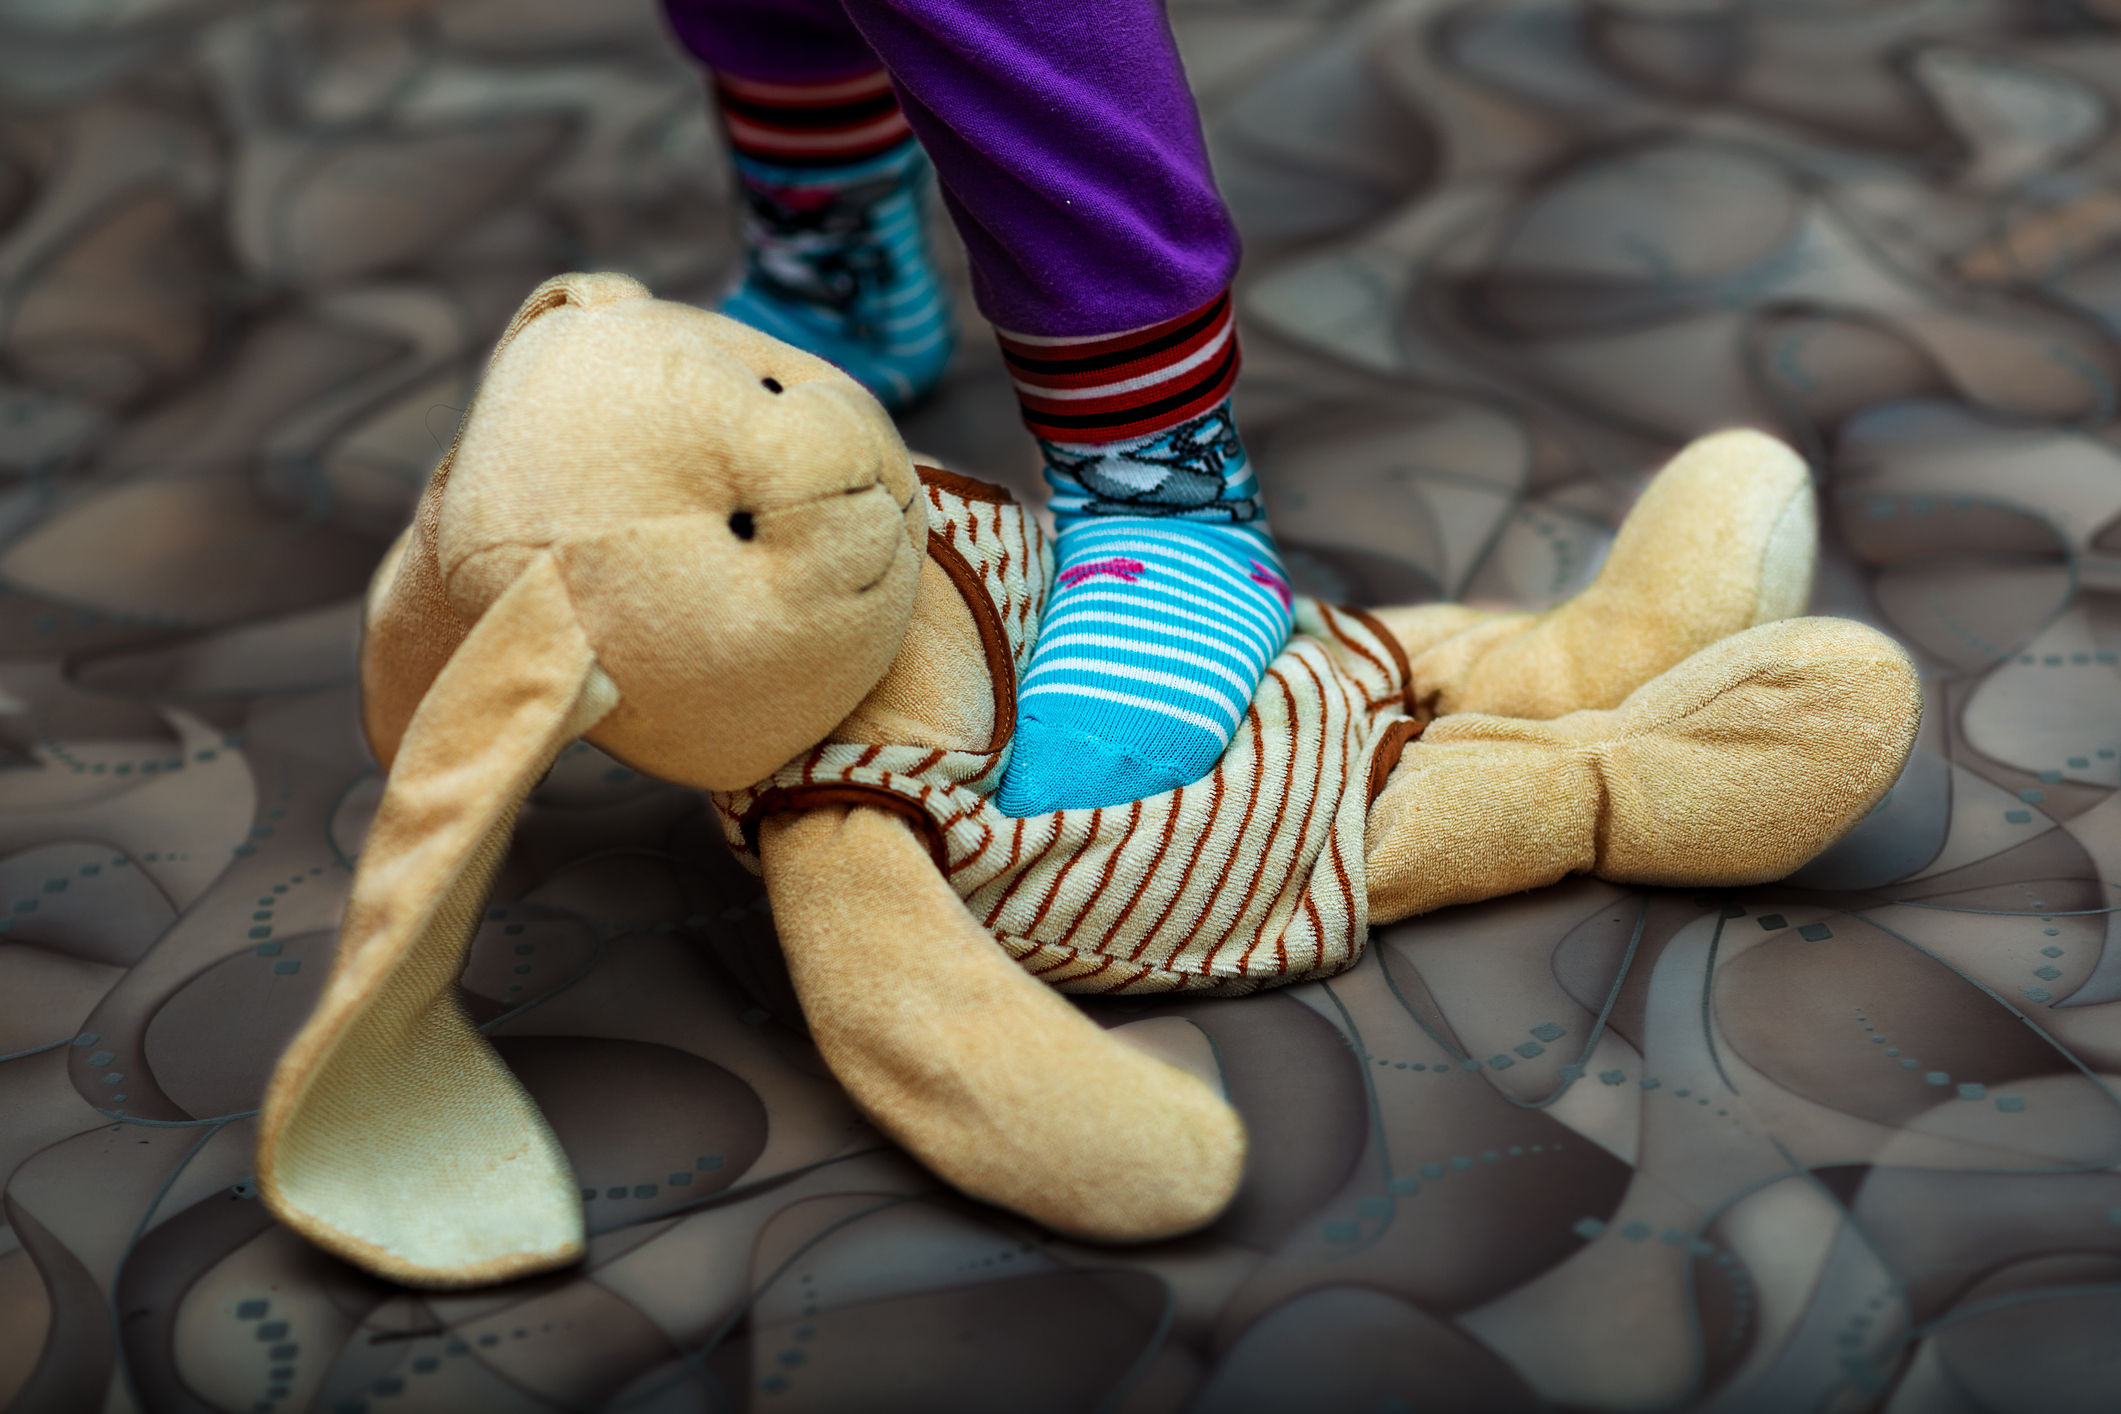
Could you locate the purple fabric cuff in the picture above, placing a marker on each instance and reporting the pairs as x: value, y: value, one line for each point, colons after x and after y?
x: 1066, y: 141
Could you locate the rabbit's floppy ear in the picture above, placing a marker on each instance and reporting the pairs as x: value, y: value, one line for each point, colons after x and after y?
x: 392, y: 1134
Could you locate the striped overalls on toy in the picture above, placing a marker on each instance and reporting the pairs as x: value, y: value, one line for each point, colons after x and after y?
x: 1252, y: 877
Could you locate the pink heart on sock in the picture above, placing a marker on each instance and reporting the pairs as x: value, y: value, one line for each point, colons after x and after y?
x: 1126, y: 571
x: 1262, y: 575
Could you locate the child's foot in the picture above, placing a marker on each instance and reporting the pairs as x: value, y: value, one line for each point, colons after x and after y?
x: 836, y: 259
x: 1169, y: 599
x: 1156, y: 635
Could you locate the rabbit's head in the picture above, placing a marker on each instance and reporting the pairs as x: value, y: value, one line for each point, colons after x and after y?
x: 662, y: 530
x: 735, y: 524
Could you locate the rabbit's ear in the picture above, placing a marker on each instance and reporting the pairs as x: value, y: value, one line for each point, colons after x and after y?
x: 588, y: 291
x: 409, y: 630
x: 392, y: 1134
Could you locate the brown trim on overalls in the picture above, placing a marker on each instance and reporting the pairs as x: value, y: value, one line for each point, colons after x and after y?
x: 1001, y: 669
x: 1392, y: 645
x: 1390, y: 748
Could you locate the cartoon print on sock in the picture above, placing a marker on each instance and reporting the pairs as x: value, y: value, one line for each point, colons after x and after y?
x: 814, y: 245
x: 1182, y: 470
x: 837, y: 265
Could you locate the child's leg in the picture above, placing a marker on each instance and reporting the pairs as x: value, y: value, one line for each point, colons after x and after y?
x: 1071, y: 156
x: 832, y: 179
x: 1169, y: 599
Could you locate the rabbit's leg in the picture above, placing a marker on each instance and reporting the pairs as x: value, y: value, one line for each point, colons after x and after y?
x: 1723, y: 540
x: 986, y: 1074
x: 1735, y: 767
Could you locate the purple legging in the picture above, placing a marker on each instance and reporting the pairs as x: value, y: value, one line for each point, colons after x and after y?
x: 1064, y: 135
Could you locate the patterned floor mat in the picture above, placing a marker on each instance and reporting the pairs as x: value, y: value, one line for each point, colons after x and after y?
x: 1847, y: 1143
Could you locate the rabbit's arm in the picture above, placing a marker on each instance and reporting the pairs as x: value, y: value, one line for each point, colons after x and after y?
x: 987, y: 1075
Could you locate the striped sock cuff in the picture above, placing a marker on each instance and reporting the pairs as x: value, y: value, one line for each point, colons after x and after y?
x: 1122, y: 386
x: 811, y: 124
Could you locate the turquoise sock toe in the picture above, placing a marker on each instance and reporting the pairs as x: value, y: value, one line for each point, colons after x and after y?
x: 1155, y: 637
x: 1066, y: 768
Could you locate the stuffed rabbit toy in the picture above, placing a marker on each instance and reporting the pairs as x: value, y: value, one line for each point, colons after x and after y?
x: 711, y: 555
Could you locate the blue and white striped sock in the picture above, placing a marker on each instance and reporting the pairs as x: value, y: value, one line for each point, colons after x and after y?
x: 1165, y: 611
x: 838, y: 265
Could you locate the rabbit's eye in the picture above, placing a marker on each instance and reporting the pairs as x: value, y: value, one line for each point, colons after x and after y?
x: 771, y: 385
x: 742, y: 526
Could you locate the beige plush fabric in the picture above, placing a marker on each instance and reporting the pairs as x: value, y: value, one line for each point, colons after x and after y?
x: 939, y: 691
x: 624, y: 433
x: 1420, y: 627
x: 575, y: 564
x: 392, y: 1134
x: 1255, y: 877
x: 1007, y: 1092
x: 1725, y: 538
x: 1733, y: 768
x: 711, y: 555
x: 1252, y: 877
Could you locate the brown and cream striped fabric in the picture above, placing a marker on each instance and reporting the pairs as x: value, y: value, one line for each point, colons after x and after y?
x: 1249, y: 878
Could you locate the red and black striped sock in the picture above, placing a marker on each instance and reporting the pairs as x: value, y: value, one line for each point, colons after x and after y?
x: 1118, y: 387
x: 832, y: 124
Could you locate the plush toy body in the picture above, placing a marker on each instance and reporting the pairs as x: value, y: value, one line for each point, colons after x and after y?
x: 1253, y: 877
x: 709, y: 554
